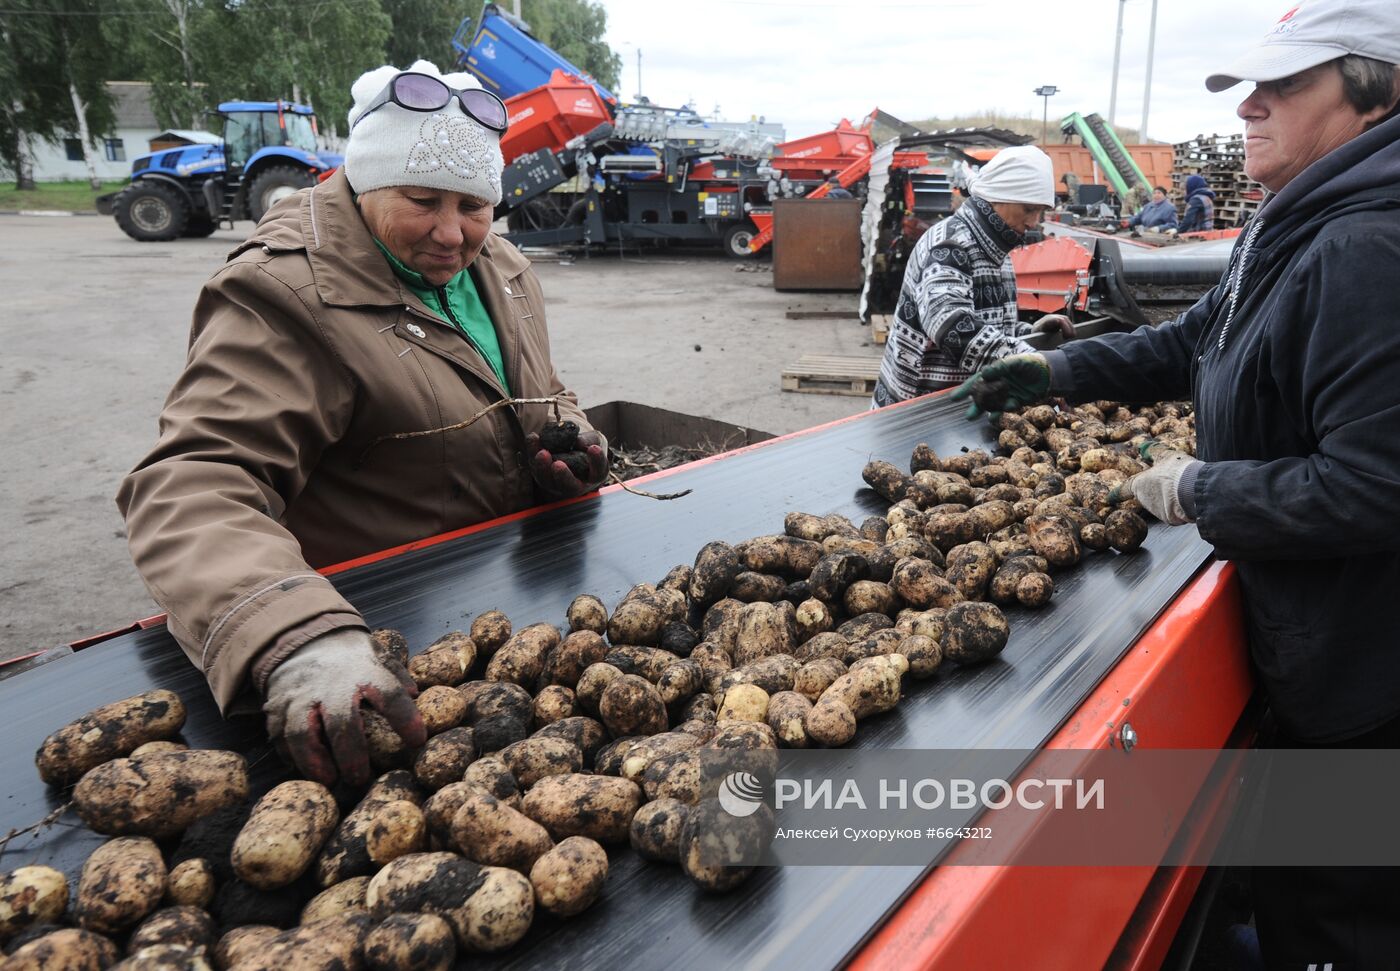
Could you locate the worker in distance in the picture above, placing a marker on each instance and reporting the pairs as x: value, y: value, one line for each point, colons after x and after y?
x: 329, y: 360
x: 1292, y: 362
x: 957, y: 306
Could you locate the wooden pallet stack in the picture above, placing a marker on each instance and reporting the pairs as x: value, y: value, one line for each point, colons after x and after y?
x: 1220, y: 160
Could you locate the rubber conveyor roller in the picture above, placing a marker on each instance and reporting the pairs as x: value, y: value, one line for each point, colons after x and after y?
x: 651, y: 916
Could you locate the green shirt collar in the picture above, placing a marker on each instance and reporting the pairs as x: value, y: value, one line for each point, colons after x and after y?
x: 410, y: 276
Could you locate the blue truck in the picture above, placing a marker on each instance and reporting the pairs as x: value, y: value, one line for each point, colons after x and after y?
x: 509, y: 59
x: 267, y: 151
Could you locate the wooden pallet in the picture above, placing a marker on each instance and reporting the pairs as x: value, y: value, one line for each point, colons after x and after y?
x: 880, y: 328
x: 832, y: 374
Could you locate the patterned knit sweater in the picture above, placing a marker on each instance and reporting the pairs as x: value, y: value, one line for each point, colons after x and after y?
x: 957, y: 307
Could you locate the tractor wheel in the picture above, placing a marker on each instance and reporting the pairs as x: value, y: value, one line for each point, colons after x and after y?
x: 199, y: 226
x: 271, y: 186
x: 736, y: 240
x: 151, y: 211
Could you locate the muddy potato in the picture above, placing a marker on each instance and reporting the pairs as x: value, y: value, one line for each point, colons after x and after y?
x: 611, y: 755
x: 184, y: 925
x: 156, y: 748
x: 441, y: 666
x: 721, y: 623
x: 330, y: 944
x: 1094, y: 536
x: 460, y: 643
x: 122, y: 881
x: 345, y: 854
x: 387, y: 750
x: 860, y: 627
x: 390, y: 646
x: 521, y: 659
x: 786, y: 556
x: 699, y: 707
x: 443, y: 805
x: 31, y: 895
x: 923, y: 653
x: 677, y: 578
x: 498, y: 914
x: 1126, y: 530
x: 107, y: 733
x: 868, y: 689
x: 744, y: 702
x: 763, y: 630
x: 631, y: 705
x: 773, y: 674
x: 599, y: 807
x: 68, y: 949
x: 751, y: 587
x: 814, y: 677
x: 344, y: 897
x: 240, y: 943
x: 159, y: 795
x: 679, y: 638
x: 190, y: 883
x: 929, y: 623
x: 1002, y: 589
x: 786, y: 712
x: 488, y: 831
x: 946, y: 530
x: 655, y: 832
x: 587, y: 734
x: 992, y: 516
x: 680, y: 681
x: 886, y: 479
x: 165, y: 957
x: 569, y: 878
x: 716, y: 566
x: 398, y: 829
x: 644, y: 751
x: 640, y: 619
x: 878, y: 643
x: 869, y: 596
x: 287, y: 829
x: 1034, y: 590
x: 531, y: 759
x: 592, y: 683
x: 489, y: 631
x: 813, y: 617
x: 571, y: 658
x: 717, y: 849
x: 834, y: 572
x: 974, y: 632
x: 970, y: 569
x: 442, y: 708
x: 443, y: 760
x: 492, y: 775
x: 743, y: 736
x: 411, y: 942
x: 430, y: 883
x: 829, y: 644
x: 645, y: 662
x: 1054, y: 538
x: 920, y: 584
x: 587, y: 613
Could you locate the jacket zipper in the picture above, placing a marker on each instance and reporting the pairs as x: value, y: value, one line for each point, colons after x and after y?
x: 1239, y: 278
x: 452, y: 318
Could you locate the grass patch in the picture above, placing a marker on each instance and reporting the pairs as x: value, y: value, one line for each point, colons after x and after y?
x: 65, y: 196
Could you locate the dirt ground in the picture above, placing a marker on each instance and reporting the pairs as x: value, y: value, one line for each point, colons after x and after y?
x: 95, y: 326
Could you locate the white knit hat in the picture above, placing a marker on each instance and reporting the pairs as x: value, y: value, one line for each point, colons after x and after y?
x: 1022, y: 174
x: 436, y: 150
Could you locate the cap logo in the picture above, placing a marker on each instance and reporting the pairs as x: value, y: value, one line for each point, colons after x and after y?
x: 1286, y: 24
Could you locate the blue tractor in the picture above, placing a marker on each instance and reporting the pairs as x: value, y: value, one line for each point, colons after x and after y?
x: 268, y: 151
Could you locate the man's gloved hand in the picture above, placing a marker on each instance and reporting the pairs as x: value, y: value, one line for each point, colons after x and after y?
x: 1158, y: 488
x: 555, y: 478
x: 313, y: 705
x: 1012, y: 382
x: 1055, y: 324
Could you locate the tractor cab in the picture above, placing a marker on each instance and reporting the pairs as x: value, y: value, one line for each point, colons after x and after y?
x: 267, y: 152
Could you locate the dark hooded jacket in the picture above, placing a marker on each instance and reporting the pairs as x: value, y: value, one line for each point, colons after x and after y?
x: 1200, y: 206
x: 1293, y: 363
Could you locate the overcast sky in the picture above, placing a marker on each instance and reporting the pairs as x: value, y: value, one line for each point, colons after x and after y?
x: 808, y: 64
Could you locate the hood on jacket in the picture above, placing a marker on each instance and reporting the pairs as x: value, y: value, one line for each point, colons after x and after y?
x: 1195, y: 185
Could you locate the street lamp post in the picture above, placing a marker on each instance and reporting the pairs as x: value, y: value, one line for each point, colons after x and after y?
x: 1045, y: 91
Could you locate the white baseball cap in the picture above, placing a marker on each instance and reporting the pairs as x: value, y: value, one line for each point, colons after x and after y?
x: 1314, y: 32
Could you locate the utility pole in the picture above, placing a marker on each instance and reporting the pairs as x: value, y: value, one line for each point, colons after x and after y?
x: 1045, y: 91
x: 517, y: 9
x: 1117, y: 50
x: 1147, y: 92
x: 639, y: 74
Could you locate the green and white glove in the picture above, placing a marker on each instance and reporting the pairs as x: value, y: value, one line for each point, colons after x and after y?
x: 1013, y: 382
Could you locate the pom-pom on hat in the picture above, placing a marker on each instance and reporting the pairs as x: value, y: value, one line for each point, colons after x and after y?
x: 444, y: 149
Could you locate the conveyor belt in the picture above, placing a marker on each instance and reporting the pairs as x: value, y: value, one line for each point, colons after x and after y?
x: 651, y: 916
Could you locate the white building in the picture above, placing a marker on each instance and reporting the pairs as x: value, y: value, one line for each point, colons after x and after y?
x: 62, y: 161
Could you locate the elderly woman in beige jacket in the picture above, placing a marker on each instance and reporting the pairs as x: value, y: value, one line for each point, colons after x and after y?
x: 376, y: 304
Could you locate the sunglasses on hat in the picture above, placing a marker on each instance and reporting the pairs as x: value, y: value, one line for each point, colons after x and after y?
x: 423, y: 92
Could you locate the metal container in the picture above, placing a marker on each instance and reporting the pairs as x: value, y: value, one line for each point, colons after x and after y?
x: 816, y: 244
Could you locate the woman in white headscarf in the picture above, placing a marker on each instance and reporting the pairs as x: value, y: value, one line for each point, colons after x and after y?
x: 957, y: 308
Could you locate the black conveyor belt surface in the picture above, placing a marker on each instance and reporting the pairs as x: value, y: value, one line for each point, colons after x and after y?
x: 651, y: 916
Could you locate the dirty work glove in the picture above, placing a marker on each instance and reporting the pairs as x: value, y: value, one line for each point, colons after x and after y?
x: 1012, y: 382
x: 1159, y: 488
x: 1055, y: 324
x: 554, y: 477
x: 313, y: 705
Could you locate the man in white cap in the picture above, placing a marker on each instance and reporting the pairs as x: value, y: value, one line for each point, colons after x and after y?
x: 1293, y: 365
x: 957, y: 307
x: 334, y: 362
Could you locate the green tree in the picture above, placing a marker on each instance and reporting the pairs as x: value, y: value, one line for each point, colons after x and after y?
x: 575, y: 28
x: 422, y: 29
x: 165, y: 42
x: 85, y: 58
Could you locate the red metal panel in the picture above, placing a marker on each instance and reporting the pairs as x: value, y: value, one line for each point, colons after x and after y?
x: 1183, y: 685
x: 1051, y: 273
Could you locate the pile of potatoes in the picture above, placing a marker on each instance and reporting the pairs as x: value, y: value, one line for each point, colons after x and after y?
x: 548, y: 746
